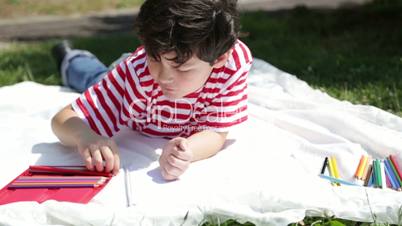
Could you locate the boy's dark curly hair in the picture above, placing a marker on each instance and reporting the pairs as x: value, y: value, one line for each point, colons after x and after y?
x: 207, y: 28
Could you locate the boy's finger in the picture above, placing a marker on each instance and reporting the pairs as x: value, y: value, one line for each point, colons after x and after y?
x: 108, y: 157
x: 172, y: 170
x: 183, y: 145
x: 97, y: 159
x: 176, y: 162
x: 116, y: 163
x: 116, y: 157
x: 176, y: 141
x: 183, y: 155
x: 86, y: 156
x: 167, y: 176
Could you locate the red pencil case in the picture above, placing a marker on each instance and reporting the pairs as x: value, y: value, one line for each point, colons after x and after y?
x: 77, y: 195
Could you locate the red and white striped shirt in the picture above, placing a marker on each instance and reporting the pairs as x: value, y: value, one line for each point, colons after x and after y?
x: 128, y: 96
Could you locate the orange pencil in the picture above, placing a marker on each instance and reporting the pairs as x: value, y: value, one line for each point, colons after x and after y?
x: 361, y: 167
x: 366, y: 168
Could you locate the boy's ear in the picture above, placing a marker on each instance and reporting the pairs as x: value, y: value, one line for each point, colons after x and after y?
x: 222, y: 59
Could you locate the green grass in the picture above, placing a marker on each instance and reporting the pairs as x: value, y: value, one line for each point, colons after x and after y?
x: 32, y: 61
x: 26, y: 8
x: 314, y: 221
x: 353, y: 54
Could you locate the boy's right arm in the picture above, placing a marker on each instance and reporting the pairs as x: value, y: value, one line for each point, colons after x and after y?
x: 97, y: 151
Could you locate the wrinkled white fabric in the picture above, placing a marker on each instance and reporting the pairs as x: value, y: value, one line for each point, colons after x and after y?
x: 266, y: 173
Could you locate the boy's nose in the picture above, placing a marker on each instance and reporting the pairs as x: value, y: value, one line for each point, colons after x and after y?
x: 165, y: 77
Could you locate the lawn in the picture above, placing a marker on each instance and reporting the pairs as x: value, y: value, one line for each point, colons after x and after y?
x: 27, y: 8
x: 353, y: 54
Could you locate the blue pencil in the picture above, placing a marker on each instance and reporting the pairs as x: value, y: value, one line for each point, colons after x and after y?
x: 393, y: 172
x: 371, y: 180
x: 391, y: 176
x: 336, y: 180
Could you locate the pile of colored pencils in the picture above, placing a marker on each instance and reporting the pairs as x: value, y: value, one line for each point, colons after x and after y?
x: 57, y: 182
x: 377, y: 173
x: 331, y: 165
x: 60, y: 177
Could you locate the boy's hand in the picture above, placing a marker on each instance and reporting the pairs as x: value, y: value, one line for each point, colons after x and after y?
x: 175, y: 158
x: 99, y: 153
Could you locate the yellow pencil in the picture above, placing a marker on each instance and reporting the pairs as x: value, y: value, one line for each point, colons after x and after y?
x: 331, y: 168
x: 366, y: 168
x: 362, y: 168
x: 335, y: 166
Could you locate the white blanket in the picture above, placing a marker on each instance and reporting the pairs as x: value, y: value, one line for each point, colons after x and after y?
x: 266, y: 173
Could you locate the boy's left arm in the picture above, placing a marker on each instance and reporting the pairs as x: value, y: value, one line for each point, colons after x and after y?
x: 205, y: 144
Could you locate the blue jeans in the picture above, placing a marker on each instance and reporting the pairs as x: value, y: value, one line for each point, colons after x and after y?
x: 81, y: 69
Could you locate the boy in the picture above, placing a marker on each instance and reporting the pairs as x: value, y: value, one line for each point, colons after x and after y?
x: 186, y: 83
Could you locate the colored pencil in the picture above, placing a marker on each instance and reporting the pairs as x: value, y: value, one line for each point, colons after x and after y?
x: 366, y: 168
x: 335, y: 166
x: 53, y: 183
x: 384, y: 182
x: 395, y: 173
x: 396, y: 167
x: 393, y: 179
x: 365, y: 161
x: 371, y: 182
x: 59, y: 178
x: 390, y: 181
x: 387, y: 181
x: 360, y: 167
x: 378, y: 179
x: 331, y: 169
x: 324, y: 165
x: 368, y: 174
x: 11, y: 186
x: 336, y: 180
x: 66, y: 170
x: 57, y: 181
x: 84, y: 168
x: 374, y: 181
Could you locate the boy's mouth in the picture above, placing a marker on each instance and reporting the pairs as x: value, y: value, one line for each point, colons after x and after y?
x: 169, y: 89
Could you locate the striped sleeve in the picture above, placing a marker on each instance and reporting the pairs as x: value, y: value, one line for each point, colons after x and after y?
x: 100, y: 105
x: 229, y: 107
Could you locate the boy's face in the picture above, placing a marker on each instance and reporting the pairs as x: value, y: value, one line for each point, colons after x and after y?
x: 176, y: 81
